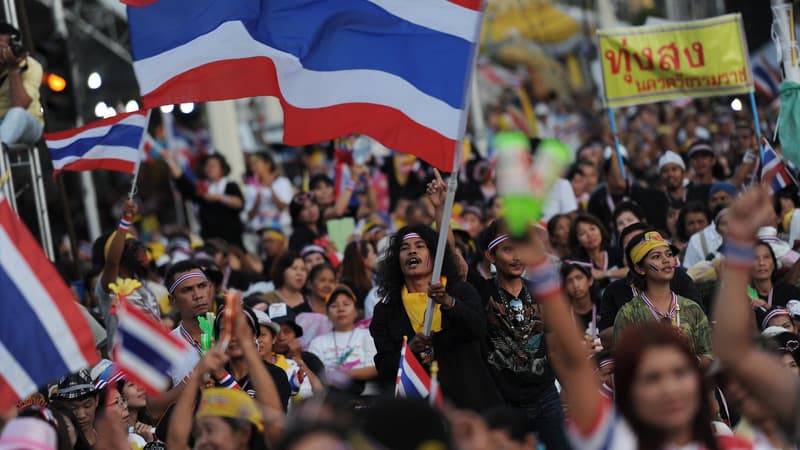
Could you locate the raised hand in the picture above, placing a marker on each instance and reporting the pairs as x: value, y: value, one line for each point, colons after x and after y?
x: 437, y: 189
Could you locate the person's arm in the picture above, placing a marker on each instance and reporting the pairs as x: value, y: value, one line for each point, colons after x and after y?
x: 760, y: 373
x: 232, y: 198
x: 266, y: 392
x: 564, y: 340
x: 180, y: 423
x: 111, y: 266
x: 463, y: 309
x: 19, y: 96
x: 343, y: 200
x: 317, y: 387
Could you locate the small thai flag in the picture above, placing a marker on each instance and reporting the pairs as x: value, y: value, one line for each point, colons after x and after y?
x: 144, y: 351
x: 412, y: 380
x: 110, y: 144
x: 775, y: 170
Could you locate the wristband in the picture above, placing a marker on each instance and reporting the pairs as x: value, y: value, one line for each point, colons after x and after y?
x: 350, y: 185
x: 749, y: 157
x: 739, y: 255
x: 228, y: 382
x: 124, y: 224
x: 542, y: 280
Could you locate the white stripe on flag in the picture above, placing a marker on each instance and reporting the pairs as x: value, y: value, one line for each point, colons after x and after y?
x: 136, y: 119
x: 412, y: 376
x: 438, y: 15
x: 142, y: 368
x: 132, y: 325
x: 22, y: 275
x: 100, y: 152
x: 301, y: 87
x: 15, y: 375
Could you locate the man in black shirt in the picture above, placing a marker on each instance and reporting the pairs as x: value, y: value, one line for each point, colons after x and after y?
x: 517, y: 355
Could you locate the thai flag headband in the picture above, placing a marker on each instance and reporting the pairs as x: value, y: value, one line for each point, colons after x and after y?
x: 185, y: 277
x: 411, y: 236
x: 773, y: 314
x: 497, y: 241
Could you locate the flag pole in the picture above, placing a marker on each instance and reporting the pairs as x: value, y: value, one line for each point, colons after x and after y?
x: 139, y: 159
x: 452, y: 183
x: 757, y: 123
x: 613, y: 121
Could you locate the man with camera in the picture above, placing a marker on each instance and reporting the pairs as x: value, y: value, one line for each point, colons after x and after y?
x: 20, y: 76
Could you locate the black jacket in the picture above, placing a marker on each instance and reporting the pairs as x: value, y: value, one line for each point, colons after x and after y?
x: 463, y: 376
x: 216, y: 218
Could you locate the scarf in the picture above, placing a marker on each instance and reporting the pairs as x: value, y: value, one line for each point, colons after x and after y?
x: 415, y: 304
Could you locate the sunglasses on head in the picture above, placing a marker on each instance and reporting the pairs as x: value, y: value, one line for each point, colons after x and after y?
x: 302, y: 198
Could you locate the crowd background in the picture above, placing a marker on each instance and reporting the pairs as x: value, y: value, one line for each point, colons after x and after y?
x: 563, y: 340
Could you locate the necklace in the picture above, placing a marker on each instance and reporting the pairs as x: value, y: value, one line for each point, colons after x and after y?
x: 516, y: 313
x: 342, y: 357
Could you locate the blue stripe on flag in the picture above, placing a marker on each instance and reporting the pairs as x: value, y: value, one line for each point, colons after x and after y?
x: 324, y: 35
x: 24, y: 335
x: 144, y: 351
x: 118, y: 135
x: 409, y: 389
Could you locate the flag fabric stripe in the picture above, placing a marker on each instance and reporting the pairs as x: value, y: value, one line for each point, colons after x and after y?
x: 98, y: 153
x: 144, y: 349
x: 97, y: 128
x: 56, y: 339
x: 774, y: 169
x: 394, y: 70
x: 126, y: 136
x: 356, y: 33
x: 15, y: 376
x: 28, y: 302
x: 116, y: 165
x: 390, y: 126
x: 141, y: 373
x: 299, y: 86
x: 152, y: 333
x: 412, y: 380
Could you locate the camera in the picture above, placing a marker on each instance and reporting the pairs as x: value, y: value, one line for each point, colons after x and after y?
x: 17, y: 48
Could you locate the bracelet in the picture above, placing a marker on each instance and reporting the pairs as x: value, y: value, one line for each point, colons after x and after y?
x: 451, y: 305
x: 749, y: 157
x: 124, y: 224
x: 739, y: 255
x: 542, y: 280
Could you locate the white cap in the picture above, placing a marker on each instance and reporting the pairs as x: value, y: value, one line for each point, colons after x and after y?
x: 263, y: 319
x: 670, y: 157
x: 773, y: 331
x: 541, y: 109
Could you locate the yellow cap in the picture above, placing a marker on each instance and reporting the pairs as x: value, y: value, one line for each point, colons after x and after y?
x: 107, y: 245
x: 234, y: 404
x: 652, y: 240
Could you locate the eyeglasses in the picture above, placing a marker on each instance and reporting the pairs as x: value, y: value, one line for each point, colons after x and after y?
x: 120, y: 401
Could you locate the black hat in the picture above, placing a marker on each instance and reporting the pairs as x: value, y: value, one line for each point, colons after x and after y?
x: 76, y: 386
x: 211, y: 270
x: 280, y: 313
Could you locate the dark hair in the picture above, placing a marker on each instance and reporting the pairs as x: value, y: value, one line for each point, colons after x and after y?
x: 568, y: 267
x: 573, y: 171
x: 252, y: 320
x: 553, y: 223
x: 510, y: 419
x: 390, y: 274
x: 353, y: 266
x: 60, y: 410
x: 689, y: 208
x: 317, y: 179
x: 575, y: 245
x: 632, y: 228
x: 267, y: 158
x: 180, y: 267
x: 493, y: 230
x: 316, y: 270
x: 628, y: 206
x: 634, y: 342
x: 226, y: 168
x: 256, y: 441
x: 98, y: 254
x: 774, y: 275
x: 296, y: 207
x: 638, y: 280
x: 281, y: 264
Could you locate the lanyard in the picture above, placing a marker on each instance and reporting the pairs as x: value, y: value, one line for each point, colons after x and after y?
x: 188, y: 338
x: 674, y: 313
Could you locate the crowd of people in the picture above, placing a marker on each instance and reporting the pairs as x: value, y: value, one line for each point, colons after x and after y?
x: 652, y: 306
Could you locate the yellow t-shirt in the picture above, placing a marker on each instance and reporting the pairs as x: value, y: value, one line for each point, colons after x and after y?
x: 31, y: 80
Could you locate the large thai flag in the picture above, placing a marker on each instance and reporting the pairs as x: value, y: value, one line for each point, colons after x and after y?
x: 110, y: 144
x: 144, y: 351
x: 43, y: 334
x: 775, y: 170
x: 412, y: 380
x: 395, y: 70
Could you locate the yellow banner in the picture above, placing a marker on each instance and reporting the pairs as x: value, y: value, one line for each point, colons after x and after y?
x: 701, y: 58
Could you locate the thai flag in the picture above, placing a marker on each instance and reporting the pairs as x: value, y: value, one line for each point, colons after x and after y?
x: 110, y: 144
x: 412, y: 380
x: 43, y: 334
x: 144, y: 351
x: 775, y: 170
x: 395, y: 70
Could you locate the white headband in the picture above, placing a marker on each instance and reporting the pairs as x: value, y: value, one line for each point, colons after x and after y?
x: 497, y: 241
x: 184, y: 277
x: 411, y: 236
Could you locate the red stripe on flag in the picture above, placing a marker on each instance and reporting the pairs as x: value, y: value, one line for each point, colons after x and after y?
x: 8, y: 396
x: 470, y: 4
x: 138, y: 3
x: 118, y: 165
x: 96, y: 124
x: 136, y: 379
x: 256, y: 76
x: 60, y: 295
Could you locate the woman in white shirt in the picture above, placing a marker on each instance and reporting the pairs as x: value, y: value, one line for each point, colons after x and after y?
x: 266, y: 199
x: 348, y: 352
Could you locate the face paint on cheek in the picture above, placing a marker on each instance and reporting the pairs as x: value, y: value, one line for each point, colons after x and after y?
x: 653, y: 267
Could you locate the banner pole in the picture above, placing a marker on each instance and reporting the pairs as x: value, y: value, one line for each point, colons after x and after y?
x: 452, y: 183
x: 757, y: 124
x: 139, y: 159
x: 613, y: 120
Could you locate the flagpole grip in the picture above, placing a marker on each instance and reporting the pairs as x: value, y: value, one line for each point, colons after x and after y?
x: 139, y: 159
